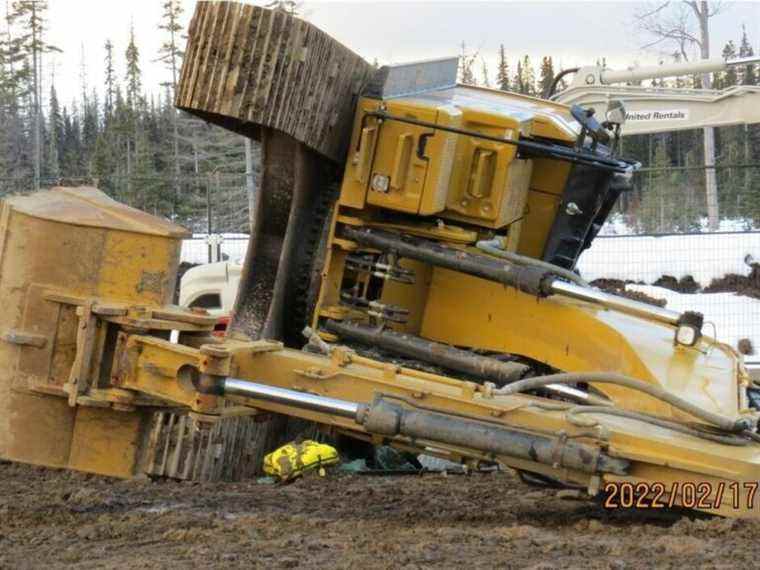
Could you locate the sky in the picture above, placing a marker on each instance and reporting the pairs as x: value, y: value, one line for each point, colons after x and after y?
x: 573, y: 33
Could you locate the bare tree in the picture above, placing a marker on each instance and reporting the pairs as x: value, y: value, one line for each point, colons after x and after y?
x: 29, y: 16
x: 171, y: 54
x: 466, y: 66
x: 685, y: 27
x: 484, y: 71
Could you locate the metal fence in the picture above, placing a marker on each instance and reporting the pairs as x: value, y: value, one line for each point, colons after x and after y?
x: 203, y: 248
x: 716, y: 274
x: 673, y: 197
x: 659, y: 242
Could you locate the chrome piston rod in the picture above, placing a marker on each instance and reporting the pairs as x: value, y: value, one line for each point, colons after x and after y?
x: 615, y: 302
x: 247, y: 389
x: 385, y: 418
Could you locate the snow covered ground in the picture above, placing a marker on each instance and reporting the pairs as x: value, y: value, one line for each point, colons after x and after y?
x: 646, y: 258
x: 705, y: 257
x: 733, y: 317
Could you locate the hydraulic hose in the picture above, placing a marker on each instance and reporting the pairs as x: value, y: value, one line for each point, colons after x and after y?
x: 723, y: 422
x: 493, y: 247
x: 553, y: 87
x: 573, y: 413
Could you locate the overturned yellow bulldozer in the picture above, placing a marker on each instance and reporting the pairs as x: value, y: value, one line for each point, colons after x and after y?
x: 419, y: 237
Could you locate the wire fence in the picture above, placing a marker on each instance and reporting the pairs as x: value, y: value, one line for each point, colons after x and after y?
x: 673, y: 199
x: 659, y: 245
x: 204, y: 248
x: 716, y: 274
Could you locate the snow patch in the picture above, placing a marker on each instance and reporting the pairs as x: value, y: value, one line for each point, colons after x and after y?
x: 733, y: 317
x: 647, y: 258
x: 705, y: 257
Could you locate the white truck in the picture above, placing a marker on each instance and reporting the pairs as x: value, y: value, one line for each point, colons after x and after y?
x: 212, y: 287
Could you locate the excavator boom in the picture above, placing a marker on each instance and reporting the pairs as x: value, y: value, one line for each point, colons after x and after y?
x: 665, y: 109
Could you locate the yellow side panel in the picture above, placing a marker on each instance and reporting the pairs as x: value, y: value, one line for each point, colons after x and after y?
x: 107, y: 442
x: 577, y: 337
x: 483, y: 189
x: 535, y: 226
x: 397, y: 161
x: 360, y: 155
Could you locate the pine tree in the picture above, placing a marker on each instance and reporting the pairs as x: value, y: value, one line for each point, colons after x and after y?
x: 517, y: 82
x: 110, y: 82
x: 71, y: 155
x: 466, y: 64
x: 546, y: 79
x: 729, y: 77
x: 90, y: 129
x: 55, y: 136
x: 28, y: 17
x: 749, y: 76
x: 171, y: 55
x: 502, y: 74
x: 134, y: 74
x: 529, y: 77
x: 134, y: 105
x: 484, y: 72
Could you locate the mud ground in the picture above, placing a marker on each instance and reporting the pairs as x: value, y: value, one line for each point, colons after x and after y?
x: 55, y: 519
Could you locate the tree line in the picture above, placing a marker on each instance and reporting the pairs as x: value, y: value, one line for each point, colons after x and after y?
x: 133, y: 145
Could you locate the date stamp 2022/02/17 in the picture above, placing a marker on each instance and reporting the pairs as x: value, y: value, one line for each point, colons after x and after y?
x: 704, y: 495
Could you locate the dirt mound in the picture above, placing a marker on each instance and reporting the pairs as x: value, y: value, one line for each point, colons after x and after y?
x: 57, y: 519
x: 746, y: 285
x: 686, y: 284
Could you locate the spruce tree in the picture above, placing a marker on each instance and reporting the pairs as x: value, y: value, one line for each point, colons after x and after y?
x: 110, y: 82
x: 28, y: 44
x: 546, y: 77
x: 517, y: 82
x: 502, y: 74
x: 528, y: 77
x: 171, y: 55
x: 55, y: 136
x: 748, y: 76
x: 729, y: 77
x: 466, y: 64
x: 133, y: 78
x: 134, y: 105
x: 484, y: 72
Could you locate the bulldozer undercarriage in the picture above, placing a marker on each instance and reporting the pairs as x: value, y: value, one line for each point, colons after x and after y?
x: 430, y: 280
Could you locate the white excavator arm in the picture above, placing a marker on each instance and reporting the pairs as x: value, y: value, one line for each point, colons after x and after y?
x: 662, y: 109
